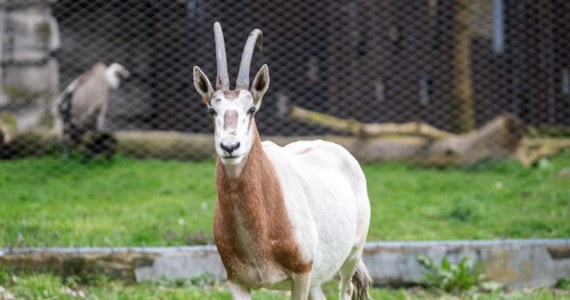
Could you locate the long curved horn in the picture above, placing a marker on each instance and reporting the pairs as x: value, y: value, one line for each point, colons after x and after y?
x: 243, y: 75
x: 222, y: 78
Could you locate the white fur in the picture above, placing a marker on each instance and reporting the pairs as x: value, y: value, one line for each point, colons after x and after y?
x: 231, y: 135
x: 326, y: 199
x: 114, y: 73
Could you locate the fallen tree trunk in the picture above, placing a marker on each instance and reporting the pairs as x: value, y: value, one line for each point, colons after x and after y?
x: 367, y: 130
x: 138, y: 144
x: 165, y: 145
x: 532, y: 150
x: 420, y: 143
x: 498, y: 139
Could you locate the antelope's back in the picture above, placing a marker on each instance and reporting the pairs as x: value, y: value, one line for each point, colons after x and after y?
x: 317, y: 161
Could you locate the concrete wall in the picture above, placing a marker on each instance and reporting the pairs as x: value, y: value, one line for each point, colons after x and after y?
x: 29, y: 75
x: 514, y: 263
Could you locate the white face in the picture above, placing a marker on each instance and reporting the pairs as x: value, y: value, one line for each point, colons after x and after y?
x: 233, y: 116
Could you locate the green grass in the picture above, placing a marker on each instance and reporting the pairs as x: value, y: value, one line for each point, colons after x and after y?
x: 55, y: 202
x: 485, y: 201
x: 46, y: 286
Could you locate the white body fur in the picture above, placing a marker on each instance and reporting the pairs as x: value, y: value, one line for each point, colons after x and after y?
x: 327, y: 202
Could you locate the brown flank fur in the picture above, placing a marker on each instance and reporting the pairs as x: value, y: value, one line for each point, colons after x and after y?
x: 258, y: 198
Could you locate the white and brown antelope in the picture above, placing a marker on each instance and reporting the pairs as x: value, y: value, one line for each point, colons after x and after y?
x: 286, y: 218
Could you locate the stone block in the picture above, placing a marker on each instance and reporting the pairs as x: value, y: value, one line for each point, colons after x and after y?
x: 31, y: 35
x: 31, y: 82
x: 180, y: 265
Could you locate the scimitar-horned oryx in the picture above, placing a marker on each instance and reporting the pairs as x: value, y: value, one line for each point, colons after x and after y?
x: 286, y: 217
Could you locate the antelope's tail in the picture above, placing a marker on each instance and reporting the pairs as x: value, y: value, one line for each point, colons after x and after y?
x: 361, y: 281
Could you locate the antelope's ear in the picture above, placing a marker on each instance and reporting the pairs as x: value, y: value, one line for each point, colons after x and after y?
x: 260, y: 84
x: 203, y: 85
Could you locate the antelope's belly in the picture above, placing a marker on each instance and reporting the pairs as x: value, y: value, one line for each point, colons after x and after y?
x: 256, y: 275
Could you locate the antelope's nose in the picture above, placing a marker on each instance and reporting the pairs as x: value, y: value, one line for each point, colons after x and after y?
x: 229, y: 148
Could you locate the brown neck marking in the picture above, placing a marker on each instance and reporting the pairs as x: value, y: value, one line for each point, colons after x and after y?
x: 254, y: 201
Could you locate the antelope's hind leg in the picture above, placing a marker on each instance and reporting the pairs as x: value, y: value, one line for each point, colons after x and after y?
x: 346, y: 287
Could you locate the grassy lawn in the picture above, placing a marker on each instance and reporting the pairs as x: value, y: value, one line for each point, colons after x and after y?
x: 45, y: 286
x: 54, y: 202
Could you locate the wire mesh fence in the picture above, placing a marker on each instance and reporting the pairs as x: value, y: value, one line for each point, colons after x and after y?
x: 422, y: 81
x: 452, y: 64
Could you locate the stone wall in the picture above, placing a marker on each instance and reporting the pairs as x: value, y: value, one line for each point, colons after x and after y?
x: 29, y: 74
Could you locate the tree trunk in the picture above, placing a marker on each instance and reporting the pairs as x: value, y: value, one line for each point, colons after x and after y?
x: 461, y: 84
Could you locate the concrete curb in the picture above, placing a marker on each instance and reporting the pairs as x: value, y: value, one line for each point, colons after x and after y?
x: 514, y: 263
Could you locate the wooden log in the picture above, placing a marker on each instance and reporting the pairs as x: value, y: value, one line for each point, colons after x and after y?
x: 496, y: 140
x: 138, y: 144
x: 165, y: 145
x: 420, y: 143
x: 532, y: 150
x: 368, y: 130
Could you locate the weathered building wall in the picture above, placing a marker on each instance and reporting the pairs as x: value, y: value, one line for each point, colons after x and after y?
x: 29, y: 74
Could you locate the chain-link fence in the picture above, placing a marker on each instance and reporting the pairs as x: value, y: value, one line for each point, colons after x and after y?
x: 453, y: 64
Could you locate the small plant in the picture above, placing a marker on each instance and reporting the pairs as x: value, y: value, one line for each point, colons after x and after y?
x: 563, y: 284
x: 451, y: 278
x: 4, y: 276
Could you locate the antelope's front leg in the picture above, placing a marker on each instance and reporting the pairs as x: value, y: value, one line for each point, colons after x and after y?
x: 301, y: 286
x: 239, y: 292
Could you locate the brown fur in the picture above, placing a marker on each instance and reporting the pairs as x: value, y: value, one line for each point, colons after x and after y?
x: 257, y: 196
x: 231, y: 95
x: 230, y: 119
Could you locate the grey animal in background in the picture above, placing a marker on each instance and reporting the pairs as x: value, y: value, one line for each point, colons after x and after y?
x: 82, y: 106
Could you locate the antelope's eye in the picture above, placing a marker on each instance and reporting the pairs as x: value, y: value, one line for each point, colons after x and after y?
x: 212, y: 112
x: 251, y: 110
